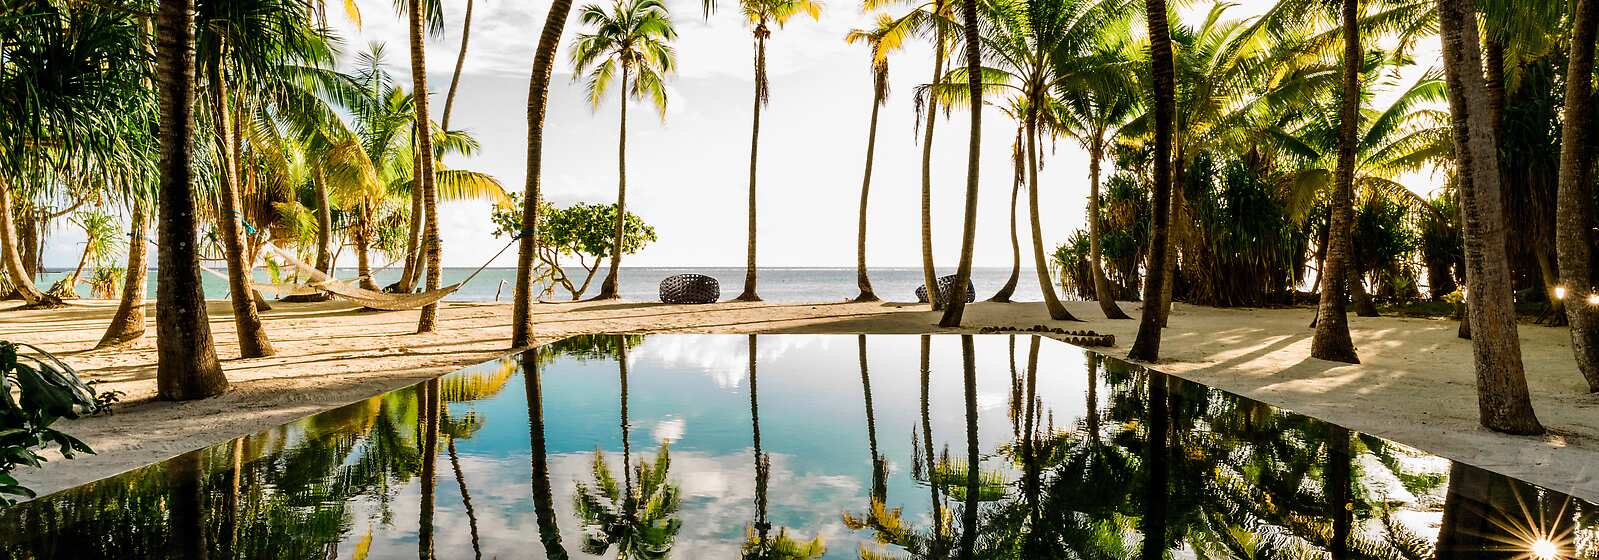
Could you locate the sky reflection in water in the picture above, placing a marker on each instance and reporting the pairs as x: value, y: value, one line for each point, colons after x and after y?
x: 816, y: 448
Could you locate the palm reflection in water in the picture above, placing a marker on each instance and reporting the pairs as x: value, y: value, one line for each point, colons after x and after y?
x: 1120, y: 463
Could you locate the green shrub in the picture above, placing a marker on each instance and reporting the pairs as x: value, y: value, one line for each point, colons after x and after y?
x: 35, y: 391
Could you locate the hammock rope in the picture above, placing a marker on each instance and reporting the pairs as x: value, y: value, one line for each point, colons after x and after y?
x: 349, y: 291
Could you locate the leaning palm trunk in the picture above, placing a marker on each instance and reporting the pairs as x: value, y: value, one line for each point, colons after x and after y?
x: 253, y: 342
x: 324, y: 221
x: 1057, y: 311
x: 186, y: 361
x: 127, y: 325
x: 413, y: 239
x: 1332, y: 341
x: 1146, y: 346
x: 1502, y: 400
x: 879, y: 86
x: 608, y: 288
x: 537, y: 105
x: 963, y: 268
x: 363, y: 249
x: 460, y: 60
x: 428, y: 322
x: 15, y: 269
x: 1016, y: 156
x: 929, y: 274
x: 1574, y: 209
x: 1107, y: 300
x: 761, y: 33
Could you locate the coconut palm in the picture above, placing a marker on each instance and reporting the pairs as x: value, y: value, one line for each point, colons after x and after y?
x: 883, y: 39
x: 954, y: 308
x: 187, y: 366
x: 1502, y: 400
x: 1018, y: 178
x: 633, y: 37
x: 759, y: 542
x: 1094, y: 108
x: 103, y: 238
x: 127, y: 323
x: 1332, y: 324
x: 763, y: 14
x: 538, y: 94
x: 1574, y: 211
x: 1146, y: 346
x: 935, y: 16
x: 419, y: 26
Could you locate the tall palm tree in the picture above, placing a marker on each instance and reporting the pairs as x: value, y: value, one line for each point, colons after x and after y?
x: 759, y: 543
x: 956, y: 306
x: 886, y: 37
x: 1503, y: 403
x: 538, y: 95
x: 186, y: 364
x: 936, y: 15
x: 1096, y: 107
x: 973, y: 482
x: 127, y: 324
x: 460, y: 61
x: 1018, y: 178
x: 1332, y: 340
x: 428, y: 321
x: 634, y: 37
x: 1146, y: 346
x: 1575, y: 208
x: 763, y: 14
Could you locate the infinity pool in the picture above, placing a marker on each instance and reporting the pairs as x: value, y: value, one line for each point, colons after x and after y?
x: 801, y: 446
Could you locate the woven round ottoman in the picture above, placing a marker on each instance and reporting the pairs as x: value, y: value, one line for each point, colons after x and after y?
x: 945, y: 286
x: 690, y: 288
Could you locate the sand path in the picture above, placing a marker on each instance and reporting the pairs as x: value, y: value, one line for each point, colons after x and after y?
x: 1415, y: 384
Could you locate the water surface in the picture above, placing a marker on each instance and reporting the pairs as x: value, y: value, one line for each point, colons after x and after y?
x: 806, y: 446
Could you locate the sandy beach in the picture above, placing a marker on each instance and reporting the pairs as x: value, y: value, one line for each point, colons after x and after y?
x: 1415, y: 384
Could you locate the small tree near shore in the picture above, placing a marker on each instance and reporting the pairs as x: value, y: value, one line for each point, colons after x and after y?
x: 584, y: 231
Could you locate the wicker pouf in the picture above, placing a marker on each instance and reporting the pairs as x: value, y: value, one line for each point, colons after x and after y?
x: 690, y: 288
x: 944, y: 287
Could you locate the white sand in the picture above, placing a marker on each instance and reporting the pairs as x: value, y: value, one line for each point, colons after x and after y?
x: 1415, y: 384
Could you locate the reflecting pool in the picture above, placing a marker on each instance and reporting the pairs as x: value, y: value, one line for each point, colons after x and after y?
x: 802, y: 446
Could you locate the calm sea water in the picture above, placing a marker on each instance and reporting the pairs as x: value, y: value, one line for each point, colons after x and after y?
x: 805, y: 446
x: 788, y: 285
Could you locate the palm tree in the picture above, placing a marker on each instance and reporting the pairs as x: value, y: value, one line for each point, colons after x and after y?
x: 763, y: 14
x: 634, y: 36
x: 935, y: 15
x: 460, y: 60
x: 1018, y: 178
x: 186, y: 366
x: 1574, y: 210
x: 883, y: 39
x: 759, y: 543
x: 127, y: 324
x: 1502, y: 401
x: 538, y: 95
x: 428, y: 321
x: 1146, y: 346
x: 1332, y: 324
x: 1096, y: 107
x: 102, y: 238
x: 956, y: 306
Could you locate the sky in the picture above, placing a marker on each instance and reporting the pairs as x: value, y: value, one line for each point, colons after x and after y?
x: 688, y: 170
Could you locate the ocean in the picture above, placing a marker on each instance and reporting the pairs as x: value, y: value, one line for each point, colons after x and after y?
x: 784, y: 285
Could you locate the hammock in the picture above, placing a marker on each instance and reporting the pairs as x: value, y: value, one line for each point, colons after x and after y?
x: 353, y: 293
x: 279, y: 290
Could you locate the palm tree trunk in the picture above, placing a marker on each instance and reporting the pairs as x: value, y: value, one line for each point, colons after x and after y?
x: 1502, y: 399
x: 253, y: 342
x: 1107, y: 300
x: 537, y: 105
x: 1146, y: 346
x: 127, y: 324
x: 1332, y: 341
x: 956, y: 306
x: 413, y: 242
x: 1157, y: 461
x: 1009, y: 289
x: 1175, y: 236
x: 186, y: 360
x: 935, y: 548
x: 324, y: 222
x: 608, y: 288
x: 15, y: 268
x: 429, y: 475
x: 969, y: 382
x: 460, y: 60
x: 1057, y: 311
x: 929, y: 273
x: 861, y: 279
x: 428, y: 322
x: 543, y: 496
x: 363, y: 248
x: 1575, y: 207
x: 755, y: 136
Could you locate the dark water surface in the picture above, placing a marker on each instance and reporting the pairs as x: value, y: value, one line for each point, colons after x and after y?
x: 799, y: 446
